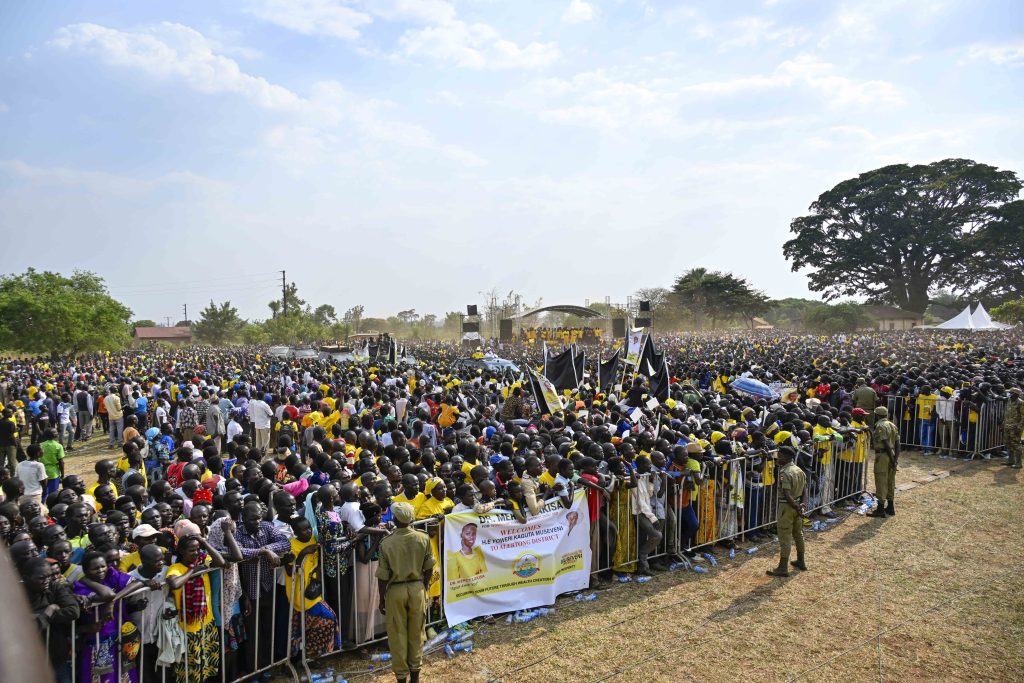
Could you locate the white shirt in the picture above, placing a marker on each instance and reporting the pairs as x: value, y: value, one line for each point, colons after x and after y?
x: 352, y: 515
x: 234, y: 429
x: 260, y: 413
x: 31, y: 473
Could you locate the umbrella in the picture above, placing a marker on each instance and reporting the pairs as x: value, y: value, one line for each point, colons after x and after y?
x: 752, y: 387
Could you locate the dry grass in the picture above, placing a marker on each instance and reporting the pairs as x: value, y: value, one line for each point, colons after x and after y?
x: 932, y: 594
x: 938, y: 585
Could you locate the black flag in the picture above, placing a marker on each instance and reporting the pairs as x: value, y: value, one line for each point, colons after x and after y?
x: 607, y: 371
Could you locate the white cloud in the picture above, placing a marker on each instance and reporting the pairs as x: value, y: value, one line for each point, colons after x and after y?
x: 475, y: 46
x: 173, y: 51
x: 176, y: 52
x: 578, y: 12
x: 313, y: 17
x: 424, y: 11
x: 610, y: 101
x: 747, y: 32
x: 1000, y: 55
x: 447, y: 97
x: 105, y: 183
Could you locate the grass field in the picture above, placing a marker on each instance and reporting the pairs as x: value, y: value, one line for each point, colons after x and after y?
x: 933, y: 594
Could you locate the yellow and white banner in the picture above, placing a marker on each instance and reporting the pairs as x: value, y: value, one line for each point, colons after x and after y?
x: 494, y: 563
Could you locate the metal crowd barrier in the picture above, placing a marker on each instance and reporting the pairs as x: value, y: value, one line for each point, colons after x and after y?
x: 948, y: 426
x: 737, y: 497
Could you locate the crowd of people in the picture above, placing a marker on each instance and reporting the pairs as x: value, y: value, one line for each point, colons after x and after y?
x: 246, y: 498
x: 563, y: 335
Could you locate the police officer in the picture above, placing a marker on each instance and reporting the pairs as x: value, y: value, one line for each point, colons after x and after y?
x: 885, y: 439
x: 792, y: 486
x: 403, y: 574
x: 1013, y: 422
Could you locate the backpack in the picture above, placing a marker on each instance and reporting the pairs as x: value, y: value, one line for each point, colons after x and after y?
x: 83, y: 401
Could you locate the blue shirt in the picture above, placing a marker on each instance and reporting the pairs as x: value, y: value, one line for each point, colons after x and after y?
x: 141, y: 404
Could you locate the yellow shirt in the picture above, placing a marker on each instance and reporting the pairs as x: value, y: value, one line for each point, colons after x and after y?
x: 926, y: 405
x: 825, y: 446
x: 416, y: 501
x: 91, y: 491
x: 462, y: 566
x: 179, y: 569
x: 547, y: 478
x: 295, y: 587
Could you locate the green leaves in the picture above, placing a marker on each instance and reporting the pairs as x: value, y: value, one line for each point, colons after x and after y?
x: 43, y: 312
x: 894, y: 233
x: 721, y: 296
x: 219, y: 324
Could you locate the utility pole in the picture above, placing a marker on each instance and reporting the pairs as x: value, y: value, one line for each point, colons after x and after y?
x: 168, y: 319
x: 284, y: 294
x: 185, y: 309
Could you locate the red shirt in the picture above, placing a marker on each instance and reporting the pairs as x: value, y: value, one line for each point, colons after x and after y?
x: 593, y: 497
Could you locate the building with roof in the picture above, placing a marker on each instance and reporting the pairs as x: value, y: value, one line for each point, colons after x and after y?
x: 179, y: 336
x: 890, y: 318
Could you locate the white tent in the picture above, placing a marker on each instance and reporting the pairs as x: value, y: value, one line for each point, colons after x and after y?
x: 965, y: 320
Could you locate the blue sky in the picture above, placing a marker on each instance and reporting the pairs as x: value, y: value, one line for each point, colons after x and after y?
x: 401, y: 154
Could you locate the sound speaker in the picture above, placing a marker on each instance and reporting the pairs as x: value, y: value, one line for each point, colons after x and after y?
x: 505, y: 330
x: 645, y: 306
x: 643, y: 322
x: 470, y: 327
x: 471, y: 310
x: 618, y: 327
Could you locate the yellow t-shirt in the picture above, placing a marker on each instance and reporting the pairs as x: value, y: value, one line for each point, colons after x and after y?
x: 465, y: 566
x: 926, y: 406
x: 91, y: 491
x: 179, y: 569
x: 547, y: 478
x: 295, y: 587
x: 824, y: 446
x: 416, y: 501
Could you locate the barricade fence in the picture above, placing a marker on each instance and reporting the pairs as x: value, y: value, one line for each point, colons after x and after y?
x: 236, y: 622
x: 953, y: 426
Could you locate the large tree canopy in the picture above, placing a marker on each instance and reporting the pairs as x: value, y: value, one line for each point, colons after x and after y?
x: 43, y: 312
x: 996, y: 269
x: 720, y: 296
x: 894, y: 233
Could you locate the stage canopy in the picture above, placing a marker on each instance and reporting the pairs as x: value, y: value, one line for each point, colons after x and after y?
x: 580, y: 311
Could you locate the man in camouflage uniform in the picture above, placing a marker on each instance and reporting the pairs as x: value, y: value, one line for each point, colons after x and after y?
x: 885, y: 439
x: 1013, y: 423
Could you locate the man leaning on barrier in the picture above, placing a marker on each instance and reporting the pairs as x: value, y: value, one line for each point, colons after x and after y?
x: 403, y: 574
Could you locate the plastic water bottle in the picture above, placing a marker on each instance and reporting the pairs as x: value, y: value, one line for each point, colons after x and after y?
x: 710, y: 558
x: 732, y: 553
x: 699, y: 569
x: 541, y: 612
x: 586, y: 597
x: 380, y: 657
x: 457, y: 636
x: 751, y: 551
x: 643, y: 579
x: 452, y: 648
x: 624, y: 578
x: 439, y: 638
x: 863, y: 509
x: 676, y: 566
x: 329, y: 675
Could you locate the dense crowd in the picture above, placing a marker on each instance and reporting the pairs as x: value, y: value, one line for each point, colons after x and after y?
x: 245, y: 498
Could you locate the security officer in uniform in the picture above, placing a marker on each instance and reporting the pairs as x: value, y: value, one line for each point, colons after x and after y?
x: 885, y: 439
x: 865, y: 398
x: 792, y: 486
x: 403, y: 574
x: 1013, y: 422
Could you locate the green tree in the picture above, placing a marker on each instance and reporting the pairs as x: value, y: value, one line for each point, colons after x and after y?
x: 254, y: 333
x: 289, y: 303
x: 1010, y: 312
x: 43, y: 312
x: 836, y: 318
x: 996, y: 268
x: 720, y: 296
x: 354, y: 317
x: 897, y: 232
x: 218, y: 324
x: 143, y: 323
x: 790, y: 313
x: 325, y: 315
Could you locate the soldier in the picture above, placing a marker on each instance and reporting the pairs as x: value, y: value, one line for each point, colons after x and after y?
x: 1014, y: 425
x: 792, y: 487
x: 403, y: 575
x: 886, y: 441
x: 865, y: 398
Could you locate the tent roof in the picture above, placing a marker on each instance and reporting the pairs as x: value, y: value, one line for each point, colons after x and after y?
x: 580, y: 311
x: 965, y: 320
